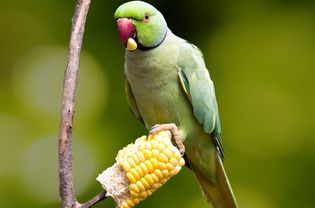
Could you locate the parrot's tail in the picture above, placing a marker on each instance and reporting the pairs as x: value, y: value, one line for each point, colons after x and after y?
x: 220, y: 194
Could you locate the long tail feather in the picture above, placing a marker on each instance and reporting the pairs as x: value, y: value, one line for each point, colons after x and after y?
x: 220, y: 195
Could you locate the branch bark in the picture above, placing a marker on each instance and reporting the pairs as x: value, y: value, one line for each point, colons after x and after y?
x: 67, y: 193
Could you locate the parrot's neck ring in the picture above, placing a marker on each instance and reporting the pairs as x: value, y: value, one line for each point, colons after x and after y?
x: 146, y: 48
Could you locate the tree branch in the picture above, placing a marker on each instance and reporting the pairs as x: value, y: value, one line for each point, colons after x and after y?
x: 67, y: 194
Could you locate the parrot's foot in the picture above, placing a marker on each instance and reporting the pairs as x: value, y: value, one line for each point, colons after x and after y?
x: 174, y: 130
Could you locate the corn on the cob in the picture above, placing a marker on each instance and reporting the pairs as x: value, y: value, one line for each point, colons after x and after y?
x: 146, y: 165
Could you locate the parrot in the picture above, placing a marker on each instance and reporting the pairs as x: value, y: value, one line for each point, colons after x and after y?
x: 168, y: 86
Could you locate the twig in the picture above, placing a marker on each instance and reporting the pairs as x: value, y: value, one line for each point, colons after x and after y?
x: 67, y: 194
x: 94, y: 200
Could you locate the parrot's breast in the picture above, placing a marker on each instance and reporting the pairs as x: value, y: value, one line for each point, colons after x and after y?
x: 154, y: 82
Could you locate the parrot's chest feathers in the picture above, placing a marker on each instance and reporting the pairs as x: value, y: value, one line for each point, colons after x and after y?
x: 154, y: 82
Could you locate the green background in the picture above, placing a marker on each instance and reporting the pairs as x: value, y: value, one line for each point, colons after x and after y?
x: 261, y: 55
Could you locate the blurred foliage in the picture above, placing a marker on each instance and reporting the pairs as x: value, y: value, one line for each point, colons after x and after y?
x: 261, y: 55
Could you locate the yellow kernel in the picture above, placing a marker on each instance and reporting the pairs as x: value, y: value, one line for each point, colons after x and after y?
x: 155, y: 144
x: 131, y: 162
x: 140, y: 156
x: 155, y: 153
x: 145, y: 183
x: 181, y: 162
x: 136, y: 159
x: 162, y: 166
x: 135, y: 200
x: 149, y: 179
x: 165, y: 173
x: 156, y: 186
x: 148, y: 145
x: 130, y: 203
x: 168, y: 152
x: 147, y: 154
x: 154, y: 177
x: 172, y: 172
x: 169, y: 166
x: 141, y: 146
x: 124, y: 205
x: 143, y: 195
x: 134, y: 194
x: 177, y: 156
x: 173, y: 161
x: 144, y: 168
x: 177, y: 169
x: 149, y: 192
x: 163, y: 181
x: 158, y: 173
x: 163, y: 158
x: 125, y: 165
x: 161, y: 147
x: 167, y: 142
x: 149, y: 165
x: 131, y: 178
x: 139, y: 170
x: 140, y: 186
x: 135, y: 173
x: 154, y: 162
x: 131, y: 44
x: 134, y: 187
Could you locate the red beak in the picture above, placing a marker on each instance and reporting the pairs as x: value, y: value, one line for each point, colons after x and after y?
x: 126, y: 29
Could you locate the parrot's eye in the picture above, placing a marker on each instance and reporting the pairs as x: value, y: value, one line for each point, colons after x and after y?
x: 146, y: 18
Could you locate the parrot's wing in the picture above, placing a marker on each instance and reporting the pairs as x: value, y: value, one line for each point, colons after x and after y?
x: 197, y: 84
x: 131, y: 101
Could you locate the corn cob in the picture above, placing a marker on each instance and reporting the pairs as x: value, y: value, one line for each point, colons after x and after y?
x: 141, y: 168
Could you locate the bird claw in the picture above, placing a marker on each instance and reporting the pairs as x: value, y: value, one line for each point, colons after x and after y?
x: 174, y: 131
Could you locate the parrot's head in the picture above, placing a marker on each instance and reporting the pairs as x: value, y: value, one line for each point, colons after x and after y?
x: 141, y: 25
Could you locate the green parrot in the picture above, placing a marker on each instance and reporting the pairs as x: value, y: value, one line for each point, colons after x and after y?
x: 169, y: 86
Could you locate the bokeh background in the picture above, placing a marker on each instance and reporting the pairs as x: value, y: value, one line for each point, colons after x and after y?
x: 261, y: 55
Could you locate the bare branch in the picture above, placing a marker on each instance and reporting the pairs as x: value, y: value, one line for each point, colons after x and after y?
x: 67, y: 194
x: 93, y: 201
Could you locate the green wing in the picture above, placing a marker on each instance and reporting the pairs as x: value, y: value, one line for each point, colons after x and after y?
x: 197, y: 84
x: 131, y: 101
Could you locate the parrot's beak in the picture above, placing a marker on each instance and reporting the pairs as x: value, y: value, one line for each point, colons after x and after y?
x: 126, y: 29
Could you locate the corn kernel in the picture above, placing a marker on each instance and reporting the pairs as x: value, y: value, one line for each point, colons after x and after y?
x: 140, y: 186
x: 131, y: 44
x: 134, y: 188
x: 149, y: 165
x: 135, y: 200
x: 162, y: 158
x: 149, y: 192
x: 177, y: 156
x: 177, y: 169
x: 131, y: 162
x: 162, y: 166
x: 161, y: 146
x: 145, y: 183
x: 144, y: 168
x: 134, y: 194
x: 158, y: 173
x: 135, y: 174
x: 139, y: 170
x: 149, y: 179
x: 148, y: 146
x: 130, y: 203
x: 169, y: 166
x: 136, y: 159
x: 131, y: 178
x: 125, y: 165
x: 154, y: 177
x: 124, y: 205
x: 155, y: 144
x: 168, y: 153
x: 156, y: 186
x: 181, y: 162
x: 147, y: 153
x: 140, y: 156
x: 165, y: 173
x: 155, y: 153
x: 173, y: 161
x: 154, y: 162
x: 143, y: 194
